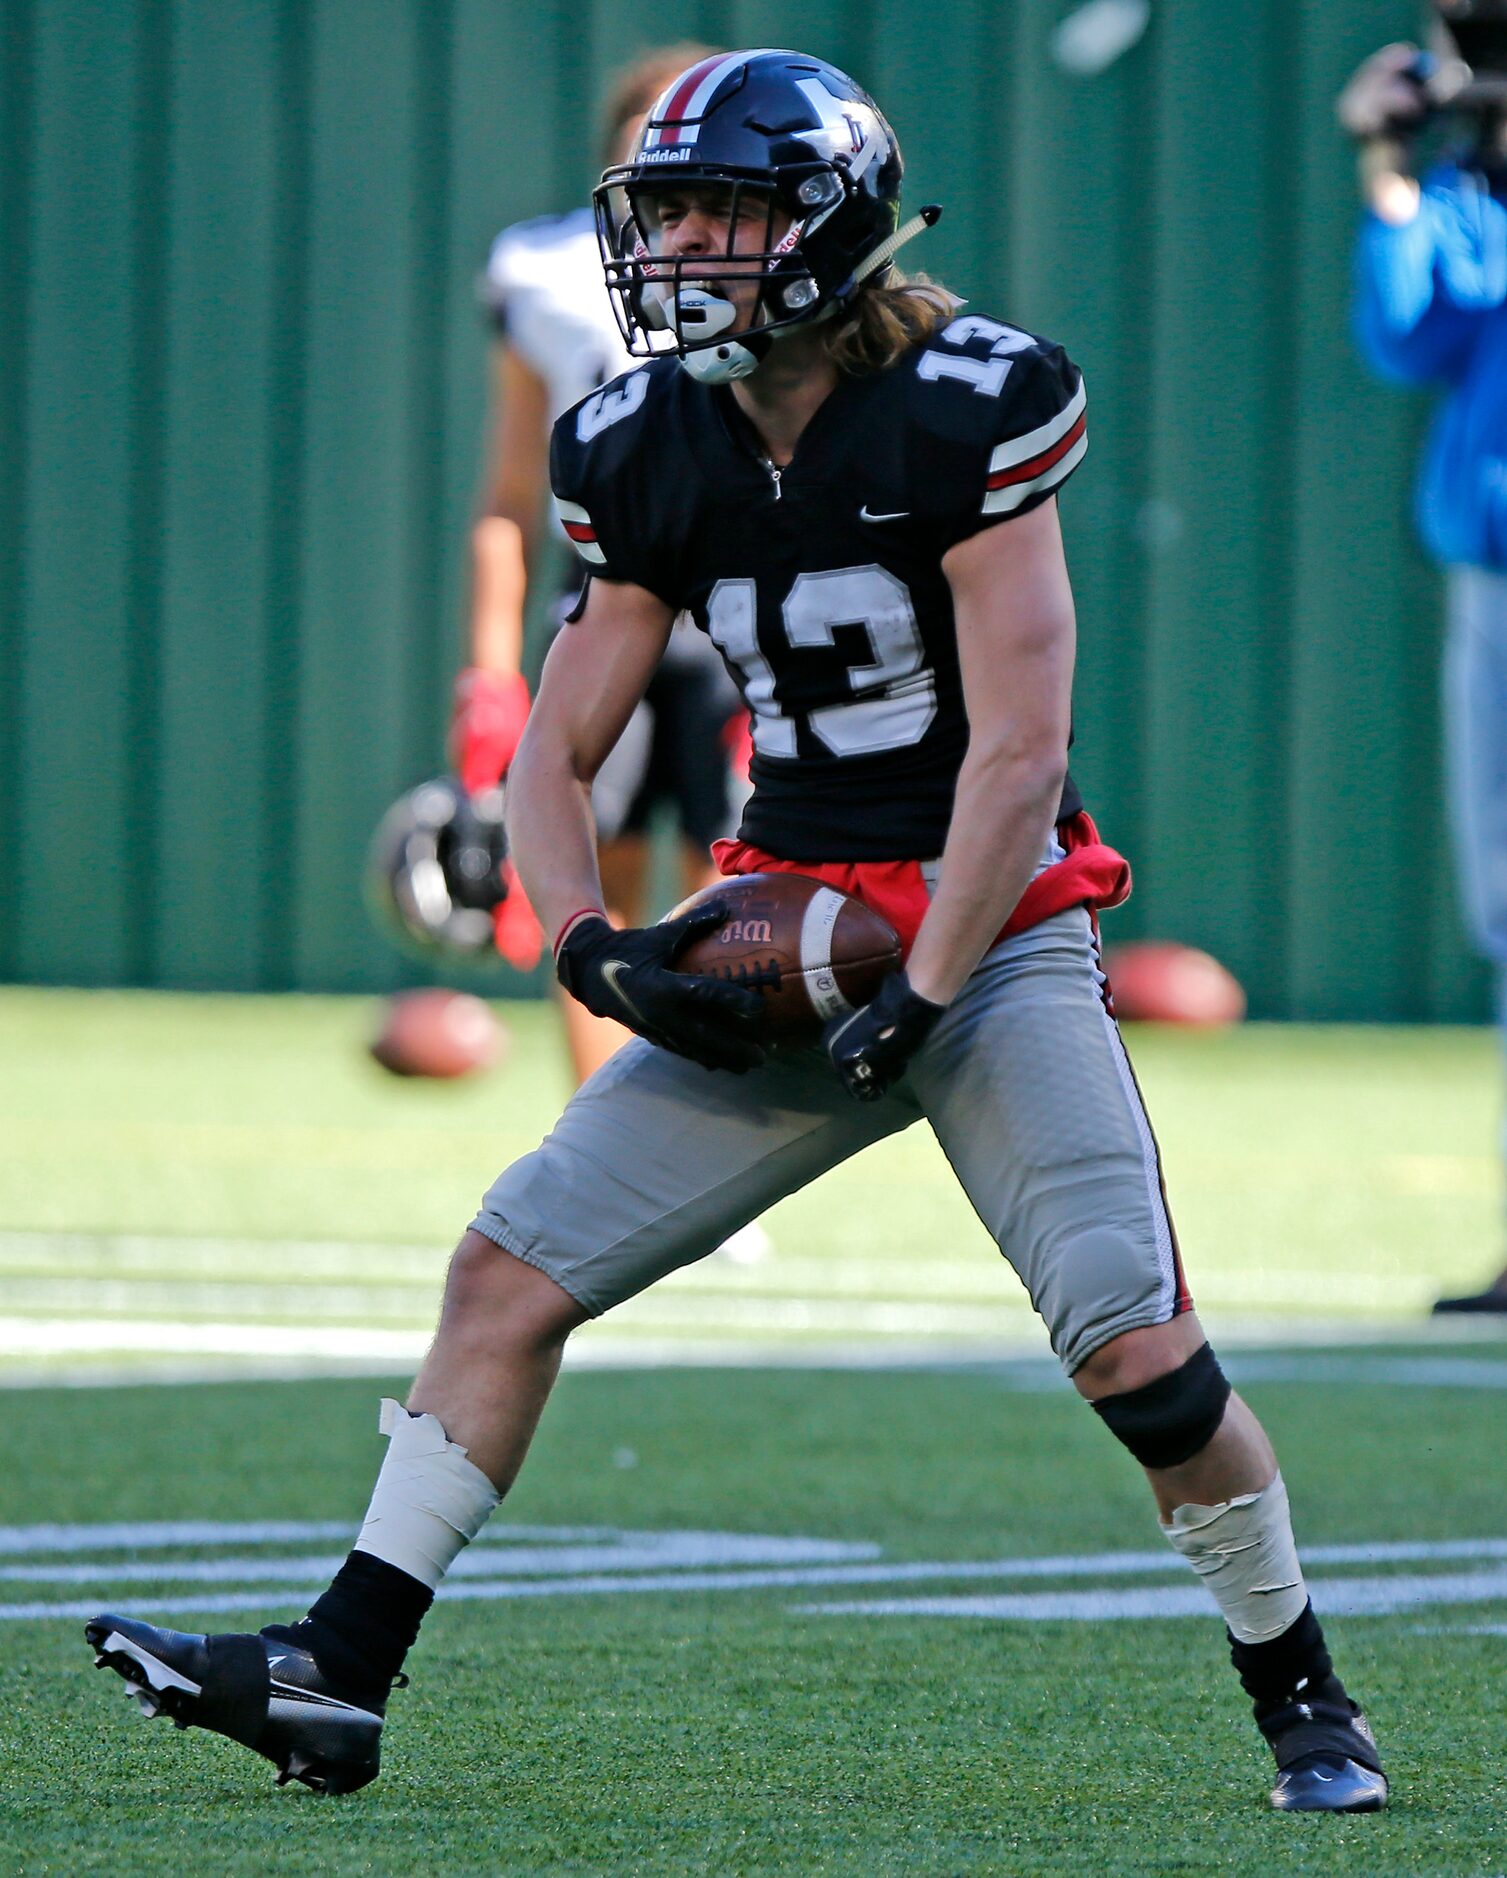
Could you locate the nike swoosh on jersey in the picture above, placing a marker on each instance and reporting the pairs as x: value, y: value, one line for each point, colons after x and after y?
x: 866, y: 514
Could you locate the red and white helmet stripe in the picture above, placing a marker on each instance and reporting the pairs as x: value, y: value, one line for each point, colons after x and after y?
x: 677, y: 113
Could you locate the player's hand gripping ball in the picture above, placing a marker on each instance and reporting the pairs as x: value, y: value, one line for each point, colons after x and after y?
x: 629, y: 975
x: 811, y: 953
x: 871, y: 1049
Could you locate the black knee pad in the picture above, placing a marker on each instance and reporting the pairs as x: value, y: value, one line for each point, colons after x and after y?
x: 1166, y: 1422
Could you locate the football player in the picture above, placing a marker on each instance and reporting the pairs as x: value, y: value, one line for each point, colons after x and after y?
x: 851, y: 485
x: 554, y: 341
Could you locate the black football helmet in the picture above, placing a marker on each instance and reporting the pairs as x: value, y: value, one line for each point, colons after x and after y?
x: 809, y: 148
x: 435, y: 874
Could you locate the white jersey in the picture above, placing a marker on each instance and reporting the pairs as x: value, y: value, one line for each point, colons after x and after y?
x: 544, y: 290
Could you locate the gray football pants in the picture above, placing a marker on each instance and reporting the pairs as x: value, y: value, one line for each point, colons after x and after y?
x: 1025, y: 1083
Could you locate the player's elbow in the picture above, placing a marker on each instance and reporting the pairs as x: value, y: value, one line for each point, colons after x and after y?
x: 1043, y: 779
x: 546, y: 765
x: 1023, y: 767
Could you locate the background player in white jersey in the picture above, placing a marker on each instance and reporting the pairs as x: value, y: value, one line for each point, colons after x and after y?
x: 555, y: 341
x: 851, y: 485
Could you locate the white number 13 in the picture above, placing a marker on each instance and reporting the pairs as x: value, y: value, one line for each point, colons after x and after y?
x: 987, y: 376
x: 897, y: 695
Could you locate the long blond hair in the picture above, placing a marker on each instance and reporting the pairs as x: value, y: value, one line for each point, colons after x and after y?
x: 885, y: 321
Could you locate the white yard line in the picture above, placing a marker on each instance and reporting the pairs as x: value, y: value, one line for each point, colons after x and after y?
x: 1415, y: 1372
x: 1332, y: 1597
x: 51, y: 1269
x: 841, y: 1562
x: 514, y: 1565
x: 664, y: 1552
x: 161, y: 1534
x: 80, y: 1336
x: 214, y: 1352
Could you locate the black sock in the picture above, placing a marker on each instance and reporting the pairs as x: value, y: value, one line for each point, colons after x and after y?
x: 1271, y: 1672
x: 360, y: 1630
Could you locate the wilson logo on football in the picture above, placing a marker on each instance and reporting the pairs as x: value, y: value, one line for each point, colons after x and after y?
x: 751, y: 932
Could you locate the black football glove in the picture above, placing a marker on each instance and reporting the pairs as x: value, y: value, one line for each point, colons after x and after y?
x: 870, y: 1049
x: 627, y: 976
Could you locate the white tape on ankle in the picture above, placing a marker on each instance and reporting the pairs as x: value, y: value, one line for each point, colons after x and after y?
x: 1243, y: 1550
x: 429, y: 1500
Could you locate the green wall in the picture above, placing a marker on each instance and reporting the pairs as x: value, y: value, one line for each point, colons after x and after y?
x: 240, y: 387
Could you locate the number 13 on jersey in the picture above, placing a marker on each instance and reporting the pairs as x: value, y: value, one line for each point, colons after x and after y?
x: 894, y: 693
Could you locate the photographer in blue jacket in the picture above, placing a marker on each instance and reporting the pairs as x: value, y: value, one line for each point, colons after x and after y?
x: 1432, y: 309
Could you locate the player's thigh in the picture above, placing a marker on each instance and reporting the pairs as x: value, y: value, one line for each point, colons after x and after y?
x: 656, y: 1161
x: 1029, y: 1089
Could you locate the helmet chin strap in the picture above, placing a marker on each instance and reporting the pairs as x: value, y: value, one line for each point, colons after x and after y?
x: 881, y: 256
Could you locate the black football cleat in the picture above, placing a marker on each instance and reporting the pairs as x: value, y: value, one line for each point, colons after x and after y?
x: 1490, y: 1302
x: 1326, y: 1754
x: 271, y: 1696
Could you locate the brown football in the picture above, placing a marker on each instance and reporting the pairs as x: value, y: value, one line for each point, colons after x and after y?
x: 437, y: 1033
x: 1160, y: 982
x: 813, y: 953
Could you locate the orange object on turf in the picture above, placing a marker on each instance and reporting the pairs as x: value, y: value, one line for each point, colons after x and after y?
x: 437, y: 1033
x: 1161, y: 982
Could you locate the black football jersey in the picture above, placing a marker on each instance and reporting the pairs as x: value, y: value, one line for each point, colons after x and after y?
x: 822, y: 583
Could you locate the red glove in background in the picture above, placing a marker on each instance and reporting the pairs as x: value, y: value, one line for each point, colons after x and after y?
x: 515, y: 930
x: 490, y: 712
x: 737, y: 740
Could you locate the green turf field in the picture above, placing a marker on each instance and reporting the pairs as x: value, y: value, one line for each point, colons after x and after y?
x: 230, y: 1179
x: 772, y: 1616
x: 617, y: 1721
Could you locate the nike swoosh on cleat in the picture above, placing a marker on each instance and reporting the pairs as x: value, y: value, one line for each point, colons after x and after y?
x: 310, y: 1698
x: 866, y: 514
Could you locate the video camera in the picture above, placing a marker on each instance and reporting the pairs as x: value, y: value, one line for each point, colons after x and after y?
x: 1473, y: 84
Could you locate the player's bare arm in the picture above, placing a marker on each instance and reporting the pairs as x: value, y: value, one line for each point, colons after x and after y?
x: 1016, y: 633
x: 596, y: 672
x: 505, y: 535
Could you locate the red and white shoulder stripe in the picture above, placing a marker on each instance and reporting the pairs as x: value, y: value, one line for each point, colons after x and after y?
x: 578, y: 525
x: 1044, y: 457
